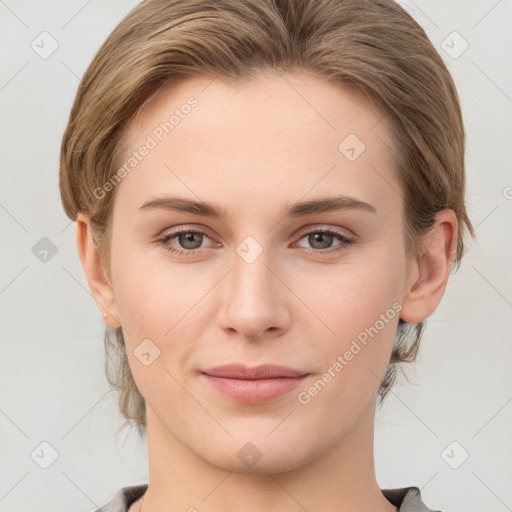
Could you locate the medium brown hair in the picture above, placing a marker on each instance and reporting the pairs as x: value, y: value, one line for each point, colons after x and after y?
x: 372, y: 47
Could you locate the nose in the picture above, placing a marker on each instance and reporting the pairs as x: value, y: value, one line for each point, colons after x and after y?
x: 254, y: 300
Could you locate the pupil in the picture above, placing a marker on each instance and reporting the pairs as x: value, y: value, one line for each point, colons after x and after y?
x: 189, y: 238
x: 322, y: 238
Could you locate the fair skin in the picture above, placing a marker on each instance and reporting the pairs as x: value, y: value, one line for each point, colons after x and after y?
x: 254, y: 150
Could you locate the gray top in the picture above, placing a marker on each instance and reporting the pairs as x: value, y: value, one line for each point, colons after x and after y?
x: 407, y: 499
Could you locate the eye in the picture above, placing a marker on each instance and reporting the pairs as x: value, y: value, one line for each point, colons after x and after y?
x: 322, y: 238
x: 190, y: 239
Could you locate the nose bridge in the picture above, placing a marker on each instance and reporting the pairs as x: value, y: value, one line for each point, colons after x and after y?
x: 253, y: 301
x: 252, y: 279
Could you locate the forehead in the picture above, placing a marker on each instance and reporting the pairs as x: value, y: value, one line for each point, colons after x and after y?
x: 284, y: 134
x: 269, y: 101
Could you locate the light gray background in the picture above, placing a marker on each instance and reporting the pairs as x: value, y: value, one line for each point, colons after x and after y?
x: 51, y: 368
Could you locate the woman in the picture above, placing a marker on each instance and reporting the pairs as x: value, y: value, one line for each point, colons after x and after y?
x: 269, y: 199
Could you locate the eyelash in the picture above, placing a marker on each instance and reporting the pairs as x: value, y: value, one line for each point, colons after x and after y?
x: 341, y: 236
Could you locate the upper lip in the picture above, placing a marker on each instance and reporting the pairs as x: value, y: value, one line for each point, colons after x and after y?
x: 264, y: 371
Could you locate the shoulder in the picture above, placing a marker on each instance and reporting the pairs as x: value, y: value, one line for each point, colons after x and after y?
x: 407, y: 499
x: 123, y: 498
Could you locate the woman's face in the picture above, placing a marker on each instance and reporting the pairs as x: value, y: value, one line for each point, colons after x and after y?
x: 260, y: 284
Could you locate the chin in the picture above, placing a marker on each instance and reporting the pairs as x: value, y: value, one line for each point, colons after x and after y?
x: 262, y: 467
x: 246, y: 457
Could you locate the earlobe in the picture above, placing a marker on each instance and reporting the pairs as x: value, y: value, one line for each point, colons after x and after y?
x: 97, y: 279
x: 429, y: 275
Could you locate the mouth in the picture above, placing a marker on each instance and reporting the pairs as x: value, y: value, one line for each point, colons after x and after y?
x: 257, y: 385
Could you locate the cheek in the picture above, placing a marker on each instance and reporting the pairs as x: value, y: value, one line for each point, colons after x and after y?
x: 352, y: 296
x: 346, y: 308
x: 150, y: 295
x: 360, y: 308
x: 162, y: 302
x: 155, y: 306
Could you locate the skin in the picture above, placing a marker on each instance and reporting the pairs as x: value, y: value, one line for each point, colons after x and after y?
x: 253, y: 149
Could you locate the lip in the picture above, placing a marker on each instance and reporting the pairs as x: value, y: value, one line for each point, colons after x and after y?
x: 257, y: 385
x: 264, y: 371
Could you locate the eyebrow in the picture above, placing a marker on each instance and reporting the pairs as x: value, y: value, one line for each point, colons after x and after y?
x: 206, y: 209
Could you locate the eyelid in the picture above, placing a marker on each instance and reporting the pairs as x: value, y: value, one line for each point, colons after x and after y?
x: 344, y: 236
x: 303, y: 231
x: 327, y: 227
x: 184, y: 227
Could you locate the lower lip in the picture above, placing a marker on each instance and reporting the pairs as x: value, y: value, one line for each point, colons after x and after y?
x: 255, y: 391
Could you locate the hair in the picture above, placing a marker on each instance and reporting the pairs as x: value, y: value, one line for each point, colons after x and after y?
x: 371, y: 47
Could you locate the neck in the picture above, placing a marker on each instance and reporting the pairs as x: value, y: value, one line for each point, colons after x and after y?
x: 340, y: 478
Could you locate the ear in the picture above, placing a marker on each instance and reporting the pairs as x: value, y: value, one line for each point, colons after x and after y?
x: 99, y: 283
x: 428, y: 275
